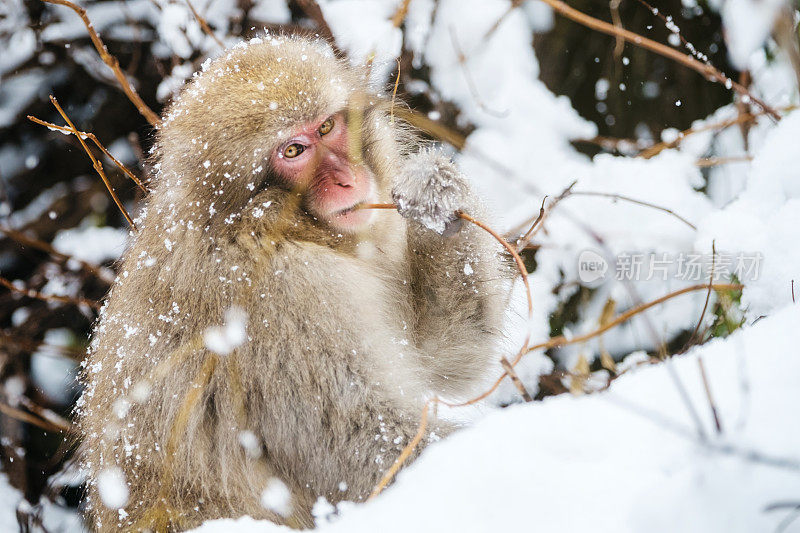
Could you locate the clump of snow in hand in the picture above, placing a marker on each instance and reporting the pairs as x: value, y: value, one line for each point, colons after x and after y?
x: 434, y: 205
x: 277, y: 498
x: 113, y: 488
x: 222, y: 340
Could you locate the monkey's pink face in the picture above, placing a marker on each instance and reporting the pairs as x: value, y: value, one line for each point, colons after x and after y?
x: 316, y: 160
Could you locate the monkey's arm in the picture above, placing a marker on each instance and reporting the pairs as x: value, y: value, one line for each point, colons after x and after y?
x: 331, y: 374
x: 457, y: 274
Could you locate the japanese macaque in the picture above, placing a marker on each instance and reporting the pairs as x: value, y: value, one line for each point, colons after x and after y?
x: 267, y: 342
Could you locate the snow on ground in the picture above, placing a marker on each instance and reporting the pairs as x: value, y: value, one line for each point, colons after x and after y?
x: 628, y: 459
x: 765, y: 218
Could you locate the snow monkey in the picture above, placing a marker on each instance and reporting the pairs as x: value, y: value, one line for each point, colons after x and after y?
x: 267, y: 342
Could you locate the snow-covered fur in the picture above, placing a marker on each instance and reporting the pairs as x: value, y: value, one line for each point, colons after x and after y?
x: 318, y: 375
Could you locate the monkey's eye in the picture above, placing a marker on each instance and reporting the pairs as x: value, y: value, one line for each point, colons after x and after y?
x: 326, y: 127
x: 293, y: 150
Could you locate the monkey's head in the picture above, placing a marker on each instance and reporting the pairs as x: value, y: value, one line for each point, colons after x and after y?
x: 277, y: 113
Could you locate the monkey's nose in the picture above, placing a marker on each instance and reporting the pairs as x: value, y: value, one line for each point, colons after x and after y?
x: 345, y: 179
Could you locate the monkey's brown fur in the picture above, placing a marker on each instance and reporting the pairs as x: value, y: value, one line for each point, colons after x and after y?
x: 347, y: 335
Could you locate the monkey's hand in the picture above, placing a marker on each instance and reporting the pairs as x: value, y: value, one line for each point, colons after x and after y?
x: 430, y: 191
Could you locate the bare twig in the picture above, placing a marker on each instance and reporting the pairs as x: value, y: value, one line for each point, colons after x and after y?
x: 615, y: 144
x: 512, y: 374
x: 473, y: 89
x: 405, y: 453
x: 741, y: 118
x: 204, y: 24
x: 558, y: 341
x: 46, y: 414
x: 394, y: 93
x: 400, y: 15
x: 633, y: 201
x: 706, y: 162
x: 619, y: 45
x: 705, y: 304
x: 523, y: 241
x: 673, y: 28
x: 707, y: 70
x: 112, y: 62
x: 514, y: 5
x: 561, y: 340
x: 785, y: 32
x: 709, y: 396
x: 30, y: 293
x: 712, y: 405
x: 23, y: 416
x: 539, y: 220
x: 98, y: 166
x: 97, y: 143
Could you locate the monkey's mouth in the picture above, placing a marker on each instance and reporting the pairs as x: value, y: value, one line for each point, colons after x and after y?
x: 348, y: 210
x: 351, y: 218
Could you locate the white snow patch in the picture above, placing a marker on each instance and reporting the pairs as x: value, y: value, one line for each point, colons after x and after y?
x: 276, y: 497
x: 92, y: 244
x: 222, y: 340
x: 113, y: 488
